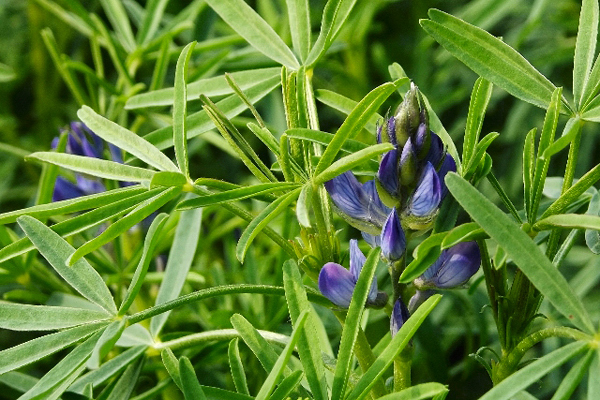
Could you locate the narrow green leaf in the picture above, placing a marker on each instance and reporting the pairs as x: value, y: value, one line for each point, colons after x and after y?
x: 215, y: 86
x: 352, y: 325
x: 528, y: 167
x: 33, y: 350
x: 172, y: 365
x: 18, y: 381
x: 160, y: 70
x: 572, y: 221
x: 346, y: 105
x: 235, y: 194
x: 355, y: 121
x: 573, y: 378
x: 259, y: 346
x: 304, y: 204
x: 94, y: 166
x: 424, y: 255
x: 127, y: 382
x: 593, y: 381
x: 150, y: 244
x: 108, y: 369
x: 490, y: 58
x: 397, y: 344
x: 479, y: 152
x: 418, y: 392
x: 286, y: 386
x: 249, y: 25
x: 72, y: 205
x: 80, y: 223
x: 220, y: 394
x: 26, y: 317
x: 200, y: 122
x: 463, y: 233
x: 273, y: 377
x: 585, y: 49
x: 572, y: 128
x: 189, y: 382
x: 106, y: 342
x: 261, y: 221
x: 119, y: 20
x: 592, y: 237
x: 81, y: 276
x: 325, y: 138
x: 8, y: 74
x: 167, y: 179
x: 523, y: 251
x: 152, y: 17
x: 309, y: 344
x: 237, y: 368
x: 480, y: 98
x: 62, y: 371
x: 573, y: 193
x: 532, y: 372
x: 141, y: 211
x: 180, y: 109
x: 335, y: 14
x: 299, y: 20
x: 265, y: 136
x: 125, y: 139
x: 541, y: 165
x: 180, y: 260
x: 348, y: 162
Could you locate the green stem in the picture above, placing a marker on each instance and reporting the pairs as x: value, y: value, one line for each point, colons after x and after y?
x: 491, y: 282
x: 509, y: 364
x: 217, y: 336
x: 366, y: 358
x: 402, y: 369
x: 396, y: 270
x: 218, y: 291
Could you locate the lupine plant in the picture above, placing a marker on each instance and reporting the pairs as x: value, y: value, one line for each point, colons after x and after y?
x: 202, y: 227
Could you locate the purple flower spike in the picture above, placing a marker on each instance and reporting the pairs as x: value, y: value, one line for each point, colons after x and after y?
x: 393, y: 241
x: 387, y: 175
x: 453, y: 268
x: 428, y: 194
x: 337, y: 284
x: 64, y: 190
x: 399, y: 316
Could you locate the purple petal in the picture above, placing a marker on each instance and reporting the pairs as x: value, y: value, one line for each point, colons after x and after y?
x: 428, y: 194
x: 337, y: 284
x: 399, y: 316
x: 348, y: 195
x: 460, y: 263
x: 115, y: 153
x: 64, y: 190
x: 387, y: 175
x: 357, y: 260
x: 391, y: 130
x: 377, y: 211
x: 373, y: 240
x: 436, y: 150
x: 418, y: 298
x: 449, y: 165
x: 393, y: 241
x: 422, y: 140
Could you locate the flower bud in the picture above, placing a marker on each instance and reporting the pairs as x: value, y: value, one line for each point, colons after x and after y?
x: 393, y: 240
x: 399, y: 316
x: 386, y: 131
x: 422, y: 141
x: 408, y: 164
x: 427, y: 195
x: 387, y: 180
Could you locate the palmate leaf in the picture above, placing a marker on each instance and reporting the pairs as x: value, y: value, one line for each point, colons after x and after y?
x: 249, y: 25
x: 490, y: 58
x: 522, y: 250
x: 81, y: 276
